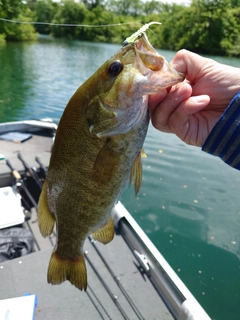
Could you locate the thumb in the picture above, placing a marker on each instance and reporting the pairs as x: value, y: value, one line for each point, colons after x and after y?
x: 188, y: 63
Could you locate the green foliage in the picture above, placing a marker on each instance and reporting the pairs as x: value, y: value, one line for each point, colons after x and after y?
x: 91, y: 4
x: 44, y: 11
x: 205, y: 26
x: 116, y: 33
x: 20, y: 32
x: 9, y: 9
x: 212, y: 27
x: 2, y: 39
x: 235, y: 50
x: 126, y: 7
x: 98, y: 16
x: 151, y: 7
x: 69, y: 12
x: 16, y: 10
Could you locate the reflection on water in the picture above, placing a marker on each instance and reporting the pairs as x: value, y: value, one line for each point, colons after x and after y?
x: 14, y: 69
x: 189, y: 203
x: 38, y: 78
x: 189, y: 186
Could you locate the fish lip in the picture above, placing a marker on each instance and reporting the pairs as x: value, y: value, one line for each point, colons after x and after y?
x: 148, y: 60
x: 153, y: 65
x: 182, y: 75
x: 143, y: 42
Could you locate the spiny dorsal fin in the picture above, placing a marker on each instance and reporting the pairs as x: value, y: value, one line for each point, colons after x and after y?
x: 136, y: 173
x: 106, y: 233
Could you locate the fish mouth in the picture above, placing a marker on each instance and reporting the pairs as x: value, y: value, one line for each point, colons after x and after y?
x: 152, y: 65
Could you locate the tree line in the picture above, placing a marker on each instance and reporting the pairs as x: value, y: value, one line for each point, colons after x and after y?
x: 204, y: 26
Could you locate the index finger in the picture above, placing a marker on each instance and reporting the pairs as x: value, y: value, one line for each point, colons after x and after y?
x: 155, y: 99
x: 161, y: 114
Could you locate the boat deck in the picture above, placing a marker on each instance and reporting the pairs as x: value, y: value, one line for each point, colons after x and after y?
x: 118, y: 287
x: 127, y: 279
x: 40, y: 144
x: 123, y: 293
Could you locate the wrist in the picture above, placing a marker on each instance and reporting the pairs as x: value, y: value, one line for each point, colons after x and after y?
x: 224, y: 139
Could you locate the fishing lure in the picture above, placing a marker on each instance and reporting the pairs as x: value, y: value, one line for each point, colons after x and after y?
x: 136, y: 35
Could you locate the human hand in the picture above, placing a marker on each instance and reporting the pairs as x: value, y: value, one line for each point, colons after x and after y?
x: 191, y: 109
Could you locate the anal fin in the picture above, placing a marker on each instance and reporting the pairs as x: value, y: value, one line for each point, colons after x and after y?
x: 74, y: 270
x: 46, y: 220
x: 106, y: 233
x: 143, y: 154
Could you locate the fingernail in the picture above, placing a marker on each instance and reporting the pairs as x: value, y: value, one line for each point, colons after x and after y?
x: 181, y: 92
x: 202, y: 99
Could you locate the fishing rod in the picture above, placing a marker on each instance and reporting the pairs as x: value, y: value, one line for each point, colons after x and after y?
x: 70, y: 24
x: 42, y: 167
x: 117, y: 280
x: 20, y: 185
x: 95, y: 304
x: 32, y: 172
x: 112, y: 296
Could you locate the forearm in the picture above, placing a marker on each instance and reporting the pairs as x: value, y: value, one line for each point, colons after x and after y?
x: 224, y: 139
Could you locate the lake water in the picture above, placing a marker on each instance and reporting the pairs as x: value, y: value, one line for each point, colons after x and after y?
x: 189, y: 203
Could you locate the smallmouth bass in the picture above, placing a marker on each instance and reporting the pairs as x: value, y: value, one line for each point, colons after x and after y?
x: 97, y: 150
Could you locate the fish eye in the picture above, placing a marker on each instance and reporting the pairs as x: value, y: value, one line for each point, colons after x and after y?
x: 115, y: 68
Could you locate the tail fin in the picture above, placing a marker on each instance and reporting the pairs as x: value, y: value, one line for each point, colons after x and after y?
x: 74, y: 270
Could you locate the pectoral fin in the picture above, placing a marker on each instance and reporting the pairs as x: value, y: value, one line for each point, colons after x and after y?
x: 136, y: 172
x: 46, y: 220
x: 100, y: 119
x: 106, y: 233
x: 105, y: 164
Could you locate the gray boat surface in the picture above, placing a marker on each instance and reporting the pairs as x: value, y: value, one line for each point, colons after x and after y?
x: 127, y: 279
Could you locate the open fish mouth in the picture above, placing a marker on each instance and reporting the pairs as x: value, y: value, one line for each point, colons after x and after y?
x: 151, y: 64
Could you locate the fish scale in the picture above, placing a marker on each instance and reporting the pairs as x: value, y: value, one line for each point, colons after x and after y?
x: 97, y: 151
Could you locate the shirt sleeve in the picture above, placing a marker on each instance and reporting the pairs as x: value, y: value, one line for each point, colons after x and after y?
x: 224, y: 139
